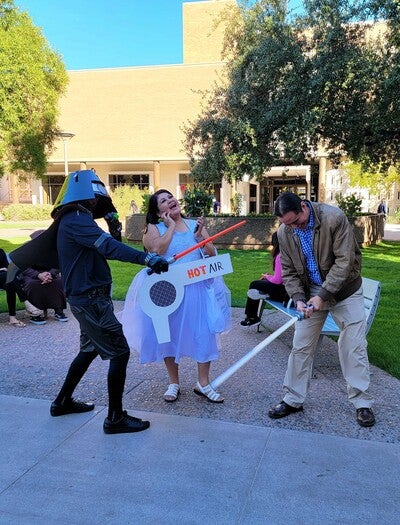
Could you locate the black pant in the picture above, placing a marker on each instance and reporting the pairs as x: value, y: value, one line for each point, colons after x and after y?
x: 12, y: 290
x: 101, y: 334
x: 276, y: 292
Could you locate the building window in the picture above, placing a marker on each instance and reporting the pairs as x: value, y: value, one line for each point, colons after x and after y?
x: 52, y: 186
x: 253, y: 198
x: 141, y: 180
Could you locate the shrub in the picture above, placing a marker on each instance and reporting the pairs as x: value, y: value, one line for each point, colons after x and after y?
x: 350, y: 205
x: 196, y: 201
x: 395, y: 218
x: 145, y: 203
x: 122, y: 197
x: 27, y: 212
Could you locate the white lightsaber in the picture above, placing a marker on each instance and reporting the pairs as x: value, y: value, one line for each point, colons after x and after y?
x: 232, y: 369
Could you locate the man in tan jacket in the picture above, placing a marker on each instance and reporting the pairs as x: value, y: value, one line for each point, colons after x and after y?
x: 321, y: 270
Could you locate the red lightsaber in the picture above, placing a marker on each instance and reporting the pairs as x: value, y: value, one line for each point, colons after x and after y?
x: 202, y: 243
x: 205, y: 241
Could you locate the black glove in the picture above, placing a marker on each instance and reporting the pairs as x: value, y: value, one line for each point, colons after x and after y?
x: 156, y: 263
x: 114, y: 225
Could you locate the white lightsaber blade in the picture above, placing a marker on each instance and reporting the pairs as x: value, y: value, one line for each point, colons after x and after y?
x: 235, y: 367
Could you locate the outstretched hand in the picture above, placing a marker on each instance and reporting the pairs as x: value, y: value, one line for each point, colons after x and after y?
x: 156, y: 263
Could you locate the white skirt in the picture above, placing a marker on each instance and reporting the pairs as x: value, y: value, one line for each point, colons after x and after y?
x: 194, y: 326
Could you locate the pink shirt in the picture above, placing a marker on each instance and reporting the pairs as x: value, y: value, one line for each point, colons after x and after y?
x: 277, y: 277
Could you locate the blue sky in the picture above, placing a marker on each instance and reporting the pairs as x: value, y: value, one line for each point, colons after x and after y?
x: 92, y: 34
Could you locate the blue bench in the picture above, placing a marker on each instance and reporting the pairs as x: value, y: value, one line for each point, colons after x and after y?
x: 371, y: 290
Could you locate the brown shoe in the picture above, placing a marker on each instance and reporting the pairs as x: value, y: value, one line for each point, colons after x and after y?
x: 283, y: 410
x: 365, y: 417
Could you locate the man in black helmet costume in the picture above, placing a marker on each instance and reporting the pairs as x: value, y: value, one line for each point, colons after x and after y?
x: 83, y: 249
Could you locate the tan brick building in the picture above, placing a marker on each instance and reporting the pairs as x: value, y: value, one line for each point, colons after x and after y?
x: 128, y: 122
x: 128, y: 125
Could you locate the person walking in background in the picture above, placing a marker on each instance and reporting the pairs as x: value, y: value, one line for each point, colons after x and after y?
x: 216, y: 206
x: 134, y: 207
x: 321, y: 269
x: 382, y: 208
x: 192, y: 326
x: 269, y: 286
x: 83, y: 250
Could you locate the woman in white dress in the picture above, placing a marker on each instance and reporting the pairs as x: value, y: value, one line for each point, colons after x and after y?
x: 192, y: 332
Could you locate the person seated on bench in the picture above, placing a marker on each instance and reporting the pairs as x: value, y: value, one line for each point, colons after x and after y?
x: 44, y: 289
x: 321, y: 269
x: 13, y: 289
x: 269, y: 286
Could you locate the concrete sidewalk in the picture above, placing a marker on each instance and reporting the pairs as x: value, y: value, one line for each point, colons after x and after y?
x: 187, y: 470
x: 392, y: 232
x: 198, y: 463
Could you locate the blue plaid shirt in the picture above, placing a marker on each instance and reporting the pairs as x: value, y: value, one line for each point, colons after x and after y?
x: 306, y: 237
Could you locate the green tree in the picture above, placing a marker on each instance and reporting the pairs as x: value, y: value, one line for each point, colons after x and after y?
x: 379, y: 182
x: 32, y: 78
x: 246, y: 127
x: 362, y: 102
x: 356, y: 99
x: 296, y: 84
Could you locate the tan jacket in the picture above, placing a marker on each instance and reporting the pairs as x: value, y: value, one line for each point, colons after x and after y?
x: 336, y: 253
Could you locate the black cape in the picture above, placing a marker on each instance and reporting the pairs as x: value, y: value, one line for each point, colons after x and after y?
x: 41, y: 251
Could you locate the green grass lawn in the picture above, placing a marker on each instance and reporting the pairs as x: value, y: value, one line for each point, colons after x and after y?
x: 6, y: 225
x: 380, y: 262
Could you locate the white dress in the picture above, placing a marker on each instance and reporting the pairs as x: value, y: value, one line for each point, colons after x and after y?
x: 190, y: 323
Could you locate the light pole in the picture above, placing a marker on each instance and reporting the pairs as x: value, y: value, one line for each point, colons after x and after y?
x: 65, y: 136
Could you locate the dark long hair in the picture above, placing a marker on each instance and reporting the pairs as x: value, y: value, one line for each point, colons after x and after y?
x: 152, y: 216
x: 275, y: 248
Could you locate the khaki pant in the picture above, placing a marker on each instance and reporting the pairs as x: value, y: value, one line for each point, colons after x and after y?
x: 349, y: 315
